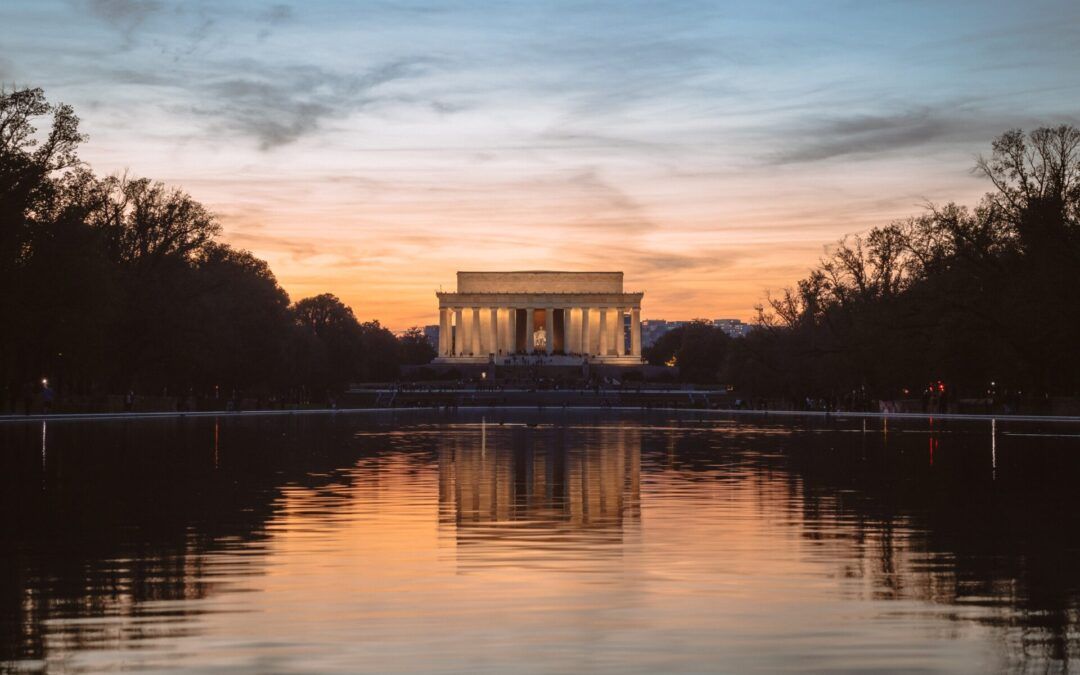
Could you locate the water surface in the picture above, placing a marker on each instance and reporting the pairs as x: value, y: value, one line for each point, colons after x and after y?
x: 543, y: 542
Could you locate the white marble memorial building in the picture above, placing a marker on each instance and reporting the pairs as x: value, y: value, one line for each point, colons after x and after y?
x: 566, y: 316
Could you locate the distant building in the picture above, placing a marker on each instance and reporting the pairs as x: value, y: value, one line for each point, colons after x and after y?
x: 733, y: 327
x: 653, y: 329
x: 432, y: 334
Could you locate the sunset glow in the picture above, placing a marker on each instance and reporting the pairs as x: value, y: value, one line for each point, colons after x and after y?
x: 710, y: 151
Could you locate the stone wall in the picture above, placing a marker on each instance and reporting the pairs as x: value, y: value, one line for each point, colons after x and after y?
x: 539, y: 282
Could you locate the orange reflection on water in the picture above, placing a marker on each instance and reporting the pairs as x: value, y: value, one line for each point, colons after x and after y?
x: 554, y: 546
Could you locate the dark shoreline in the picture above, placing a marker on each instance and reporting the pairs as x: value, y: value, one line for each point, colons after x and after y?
x: 712, y: 412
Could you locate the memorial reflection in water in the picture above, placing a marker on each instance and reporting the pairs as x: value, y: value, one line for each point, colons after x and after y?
x: 563, y: 492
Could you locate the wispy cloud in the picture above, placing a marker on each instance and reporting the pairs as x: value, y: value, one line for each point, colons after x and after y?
x: 126, y: 16
x: 869, y: 134
x: 876, y: 135
x: 278, y: 105
x: 124, y: 13
x: 601, y: 205
x: 279, y: 13
x: 272, y: 16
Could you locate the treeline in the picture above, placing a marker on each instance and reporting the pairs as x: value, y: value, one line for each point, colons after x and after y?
x: 981, y: 301
x: 117, y: 283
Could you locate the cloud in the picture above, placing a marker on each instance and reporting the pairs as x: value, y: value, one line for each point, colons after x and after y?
x: 590, y: 202
x: 274, y: 15
x: 124, y: 15
x: 270, y: 112
x: 590, y: 140
x: 279, y: 105
x: 277, y: 14
x: 650, y: 262
x: 867, y: 134
x: 647, y: 263
x: 188, y: 24
x: 293, y: 247
x: 124, y: 12
x: 133, y: 76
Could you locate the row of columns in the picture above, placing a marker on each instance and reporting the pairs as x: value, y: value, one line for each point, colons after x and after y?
x: 499, y: 336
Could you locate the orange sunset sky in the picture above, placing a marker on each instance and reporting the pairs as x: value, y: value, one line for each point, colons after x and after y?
x: 709, y: 150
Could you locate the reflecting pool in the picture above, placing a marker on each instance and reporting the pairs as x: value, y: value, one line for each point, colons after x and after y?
x: 538, y: 542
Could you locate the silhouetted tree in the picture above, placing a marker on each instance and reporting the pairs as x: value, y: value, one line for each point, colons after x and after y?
x: 414, y: 348
x: 969, y: 296
x: 242, y: 322
x: 380, y: 353
x: 155, y: 237
x: 354, y: 351
x: 119, y: 282
x: 334, y: 327
x: 29, y: 166
x: 697, y: 348
x: 28, y: 163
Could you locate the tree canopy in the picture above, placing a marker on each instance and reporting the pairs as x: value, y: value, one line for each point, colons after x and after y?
x: 982, y: 298
x: 698, y: 348
x: 121, y: 282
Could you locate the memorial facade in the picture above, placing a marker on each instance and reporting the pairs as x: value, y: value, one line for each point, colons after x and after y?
x: 567, y: 317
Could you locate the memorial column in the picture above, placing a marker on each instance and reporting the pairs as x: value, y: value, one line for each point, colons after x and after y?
x: 549, y: 329
x: 511, y: 329
x: 567, y: 331
x: 475, y: 333
x: 493, y: 332
x: 530, y: 333
x: 586, y: 348
x: 620, y: 332
x: 503, y: 319
x: 635, y: 331
x: 444, y: 329
x: 603, y: 331
x: 575, y: 330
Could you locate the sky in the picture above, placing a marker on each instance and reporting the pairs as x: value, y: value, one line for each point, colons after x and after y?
x: 712, y: 151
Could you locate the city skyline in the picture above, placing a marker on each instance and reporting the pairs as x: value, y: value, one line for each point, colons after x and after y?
x: 711, y: 151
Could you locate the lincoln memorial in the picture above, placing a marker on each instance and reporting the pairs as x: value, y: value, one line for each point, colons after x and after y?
x: 567, y: 316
